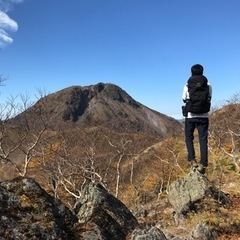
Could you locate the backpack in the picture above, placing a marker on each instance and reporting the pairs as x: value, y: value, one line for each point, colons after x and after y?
x: 198, y: 90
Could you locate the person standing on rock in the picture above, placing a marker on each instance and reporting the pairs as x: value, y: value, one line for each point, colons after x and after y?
x: 197, y: 94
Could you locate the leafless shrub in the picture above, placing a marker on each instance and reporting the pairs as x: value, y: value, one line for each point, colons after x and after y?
x: 20, y: 140
x: 225, y: 130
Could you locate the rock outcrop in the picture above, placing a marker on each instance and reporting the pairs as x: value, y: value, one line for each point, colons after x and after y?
x: 98, y: 207
x: 28, y: 212
x: 186, y: 192
x: 202, y: 232
x: 150, y: 234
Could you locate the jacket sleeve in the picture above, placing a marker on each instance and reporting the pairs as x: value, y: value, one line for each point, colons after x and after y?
x: 185, y: 94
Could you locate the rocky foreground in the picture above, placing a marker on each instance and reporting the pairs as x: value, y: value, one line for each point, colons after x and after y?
x: 28, y: 212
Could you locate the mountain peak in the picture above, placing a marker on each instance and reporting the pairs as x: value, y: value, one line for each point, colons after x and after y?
x: 79, y: 99
x: 105, y: 105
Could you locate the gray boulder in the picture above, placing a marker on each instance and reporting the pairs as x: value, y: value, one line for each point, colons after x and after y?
x: 151, y: 234
x: 28, y: 212
x: 202, y: 232
x: 97, y: 206
x: 185, y: 192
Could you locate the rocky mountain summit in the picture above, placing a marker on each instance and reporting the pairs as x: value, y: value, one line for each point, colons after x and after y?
x: 105, y: 105
x: 28, y: 212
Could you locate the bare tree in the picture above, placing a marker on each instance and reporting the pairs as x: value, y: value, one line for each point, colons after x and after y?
x: 22, y: 133
x: 121, y: 152
x: 72, y: 164
x: 225, y: 130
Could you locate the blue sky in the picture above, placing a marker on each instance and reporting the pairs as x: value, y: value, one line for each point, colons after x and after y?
x: 146, y: 47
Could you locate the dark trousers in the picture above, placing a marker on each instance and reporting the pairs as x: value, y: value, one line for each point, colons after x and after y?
x: 201, y: 124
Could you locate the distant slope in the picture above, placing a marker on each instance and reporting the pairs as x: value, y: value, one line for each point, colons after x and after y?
x: 105, y: 105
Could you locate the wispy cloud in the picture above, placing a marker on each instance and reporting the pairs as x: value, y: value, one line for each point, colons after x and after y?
x: 7, y: 25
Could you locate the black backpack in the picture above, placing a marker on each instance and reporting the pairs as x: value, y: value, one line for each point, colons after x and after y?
x: 198, y: 89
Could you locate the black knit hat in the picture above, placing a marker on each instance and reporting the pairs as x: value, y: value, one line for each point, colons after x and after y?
x: 197, y: 69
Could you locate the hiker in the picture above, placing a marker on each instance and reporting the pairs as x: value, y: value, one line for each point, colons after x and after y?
x: 197, y: 94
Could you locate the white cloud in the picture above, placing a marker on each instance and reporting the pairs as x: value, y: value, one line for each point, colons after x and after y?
x: 4, y: 39
x: 6, y: 23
